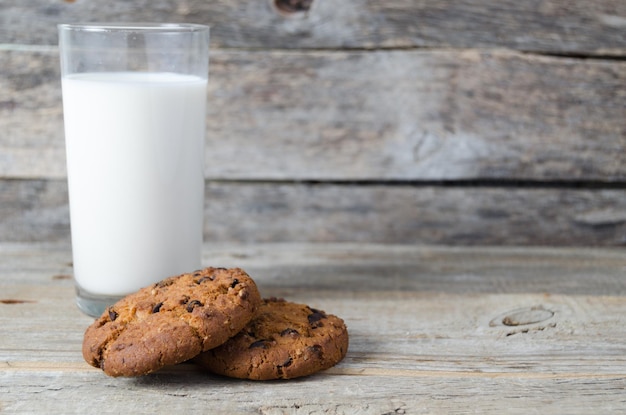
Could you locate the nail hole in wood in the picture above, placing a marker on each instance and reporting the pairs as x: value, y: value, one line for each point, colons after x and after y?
x: 292, y: 7
x: 62, y: 277
x: 13, y: 301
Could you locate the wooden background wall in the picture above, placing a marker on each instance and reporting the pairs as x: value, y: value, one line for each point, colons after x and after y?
x: 467, y: 122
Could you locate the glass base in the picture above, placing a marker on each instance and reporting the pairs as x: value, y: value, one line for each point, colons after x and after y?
x: 94, y: 305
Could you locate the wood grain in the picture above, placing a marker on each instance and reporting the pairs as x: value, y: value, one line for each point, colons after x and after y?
x: 427, y: 330
x: 37, y: 210
x: 553, y: 26
x: 467, y: 115
x: 363, y: 120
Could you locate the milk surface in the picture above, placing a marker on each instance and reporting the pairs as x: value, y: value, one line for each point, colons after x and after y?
x: 135, y: 159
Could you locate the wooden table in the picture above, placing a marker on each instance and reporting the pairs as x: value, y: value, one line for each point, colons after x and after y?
x: 432, y: 330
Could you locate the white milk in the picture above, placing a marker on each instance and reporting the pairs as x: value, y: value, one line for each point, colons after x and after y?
x: 135, y: 158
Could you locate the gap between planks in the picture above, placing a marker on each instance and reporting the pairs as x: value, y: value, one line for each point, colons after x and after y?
x: 462, y: 183
x: 610, y: 55
x: 335, y: 371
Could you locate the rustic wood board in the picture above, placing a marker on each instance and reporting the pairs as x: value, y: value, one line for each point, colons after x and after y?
x: 37, y: 210
x: 354, y: 115
x: 362, y: 120
x: 427, y: 326
x: 553, y: 26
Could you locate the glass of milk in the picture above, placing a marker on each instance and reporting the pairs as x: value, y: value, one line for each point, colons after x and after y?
x: 134, y: 103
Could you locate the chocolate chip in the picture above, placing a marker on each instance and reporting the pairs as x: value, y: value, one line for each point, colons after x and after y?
x: 165, y: 283
x: 235, y: 282
x: 314, y: 319
x: 287, y: 362
x: 205, y: 278
x: 315, y: 349
x: 112, y: 314
x: 192, y: 304
x: 263, y: 344
x: 184, y: 300
x: 289, y: 332
x: 157, y: 307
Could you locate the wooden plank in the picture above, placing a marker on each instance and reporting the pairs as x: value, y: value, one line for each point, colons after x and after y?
x: 57, y: 392
x: 556, y: 26
x: 408, y: 214
x: 423, y: 337
x: 400, y: 115
x: 333, y: 270
x: 35, y: 210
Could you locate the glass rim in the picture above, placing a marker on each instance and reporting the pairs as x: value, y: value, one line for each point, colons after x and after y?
x: 134, y: 27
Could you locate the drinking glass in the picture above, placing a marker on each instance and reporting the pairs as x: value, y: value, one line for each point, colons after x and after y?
x: 134, y: 104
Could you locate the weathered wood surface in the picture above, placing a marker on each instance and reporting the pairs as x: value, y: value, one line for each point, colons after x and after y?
x: 433, y: 330
x: 469, y: 115
x: 392, y: 108
x: 554, y: 26
x: 37, y: 210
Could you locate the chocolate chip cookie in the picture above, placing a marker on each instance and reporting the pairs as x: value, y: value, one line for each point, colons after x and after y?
x: 284, y: 340
x: 171, y: 321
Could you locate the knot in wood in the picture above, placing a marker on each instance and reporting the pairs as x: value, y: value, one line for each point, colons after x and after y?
x: 290, y: 7
x: 523, y: 317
